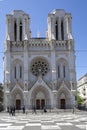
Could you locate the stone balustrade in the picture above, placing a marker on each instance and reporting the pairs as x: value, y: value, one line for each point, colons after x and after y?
x: 39, y: 42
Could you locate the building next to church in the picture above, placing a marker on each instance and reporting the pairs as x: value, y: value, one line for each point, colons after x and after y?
x: 39, y: 71
x: 82, y: 88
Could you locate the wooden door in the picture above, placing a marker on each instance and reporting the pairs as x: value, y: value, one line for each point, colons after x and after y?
x: 62, y: 103
x: 18, y: 104
x: 38, y: 104
x: 42, y: 103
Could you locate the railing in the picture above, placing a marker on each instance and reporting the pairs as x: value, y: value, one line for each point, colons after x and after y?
x: 39, y: 42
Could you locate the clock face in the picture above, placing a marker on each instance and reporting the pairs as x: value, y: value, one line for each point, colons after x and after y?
x: 39, y: 67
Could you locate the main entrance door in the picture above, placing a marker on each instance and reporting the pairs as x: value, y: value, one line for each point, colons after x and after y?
x: 37, y: 104
x: 18, y: 104
x: 40, y: 103
x: 62, y: 103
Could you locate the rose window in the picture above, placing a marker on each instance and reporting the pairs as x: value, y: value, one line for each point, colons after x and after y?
x: 39, y: 67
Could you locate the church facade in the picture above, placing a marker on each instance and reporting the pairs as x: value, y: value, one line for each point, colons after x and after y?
x: 39, y: 71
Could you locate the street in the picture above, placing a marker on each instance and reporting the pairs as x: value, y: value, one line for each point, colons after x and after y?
x: 45, y: 121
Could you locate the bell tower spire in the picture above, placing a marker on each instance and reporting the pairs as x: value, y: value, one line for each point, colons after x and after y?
x: 59, y: 25
x: 17, y: 26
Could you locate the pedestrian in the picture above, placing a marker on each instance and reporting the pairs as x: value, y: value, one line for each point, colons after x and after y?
x: 73, y: 110
x: 34, y: 109
x: 45, y: 109
x: 14, y: 111
x: 8, y: 109
x: 23, y: 109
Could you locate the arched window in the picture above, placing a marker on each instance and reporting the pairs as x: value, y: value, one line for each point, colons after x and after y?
x: 62, y: 31
x: 15, y: 31
x: 20, y: 72
x: 20, y: 31
x: 56, y: 30
x: 58, y: 71
x: 15, y: 72
x: 64, y: 71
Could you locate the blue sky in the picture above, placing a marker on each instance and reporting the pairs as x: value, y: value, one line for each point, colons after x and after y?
x: 38, y: 11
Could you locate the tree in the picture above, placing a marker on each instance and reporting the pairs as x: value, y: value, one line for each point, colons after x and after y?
x: 80, y: 100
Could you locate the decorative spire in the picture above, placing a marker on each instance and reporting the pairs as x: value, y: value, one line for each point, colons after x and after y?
x: 8, y: 38
x: 70, y: 36
x: 25, y: 37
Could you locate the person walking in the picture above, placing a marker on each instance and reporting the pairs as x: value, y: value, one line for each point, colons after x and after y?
x: 23, y: 109
x: 45, y: 109
x: 34, y: 110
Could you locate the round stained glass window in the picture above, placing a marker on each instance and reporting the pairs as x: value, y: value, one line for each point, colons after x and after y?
x: 39, y: 67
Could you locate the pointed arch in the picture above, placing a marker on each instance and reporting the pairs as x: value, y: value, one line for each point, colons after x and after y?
x: 64, y: 97
x: 62, y: 30
x: 40, y: 97
x: 56, y: 29
x: 62, y: 68
x: 17, y: 97
x: 58, y: 71
x: 17, y: 70
x: 40, y: 87
x: 21, y: 30
x: 15, y: 31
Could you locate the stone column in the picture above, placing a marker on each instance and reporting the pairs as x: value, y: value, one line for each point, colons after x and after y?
x: 7, y: 63
x: 71, y: 85
x: 27, y: 27
x: 23, y: 27
x: 17, y: 71
x: 8, y: 27
x: 12, y: 30
x: 72, y: 66
x: 18, y: 29
x: 6, y: 100
x: 25, y: 99
x: 70, y: 24
x: 53, y: 64
x: 49, y: 27
x: 25, y: 62
x: 66, y: 25
x: 6, y: 72
x: 54, y: 99
x: 52, y: 28
x: 66, y: 28
x: 59, y: 28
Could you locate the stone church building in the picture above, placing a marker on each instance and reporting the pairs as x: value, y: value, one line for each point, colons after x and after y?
x: 39, y: 71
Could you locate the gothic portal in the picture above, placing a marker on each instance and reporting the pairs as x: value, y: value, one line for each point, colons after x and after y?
x: 39, y: 71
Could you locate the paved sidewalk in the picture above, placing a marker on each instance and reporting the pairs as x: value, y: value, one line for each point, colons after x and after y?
x: 45, y: 121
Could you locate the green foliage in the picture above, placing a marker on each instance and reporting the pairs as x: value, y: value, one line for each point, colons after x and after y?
x: 80, y: 100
